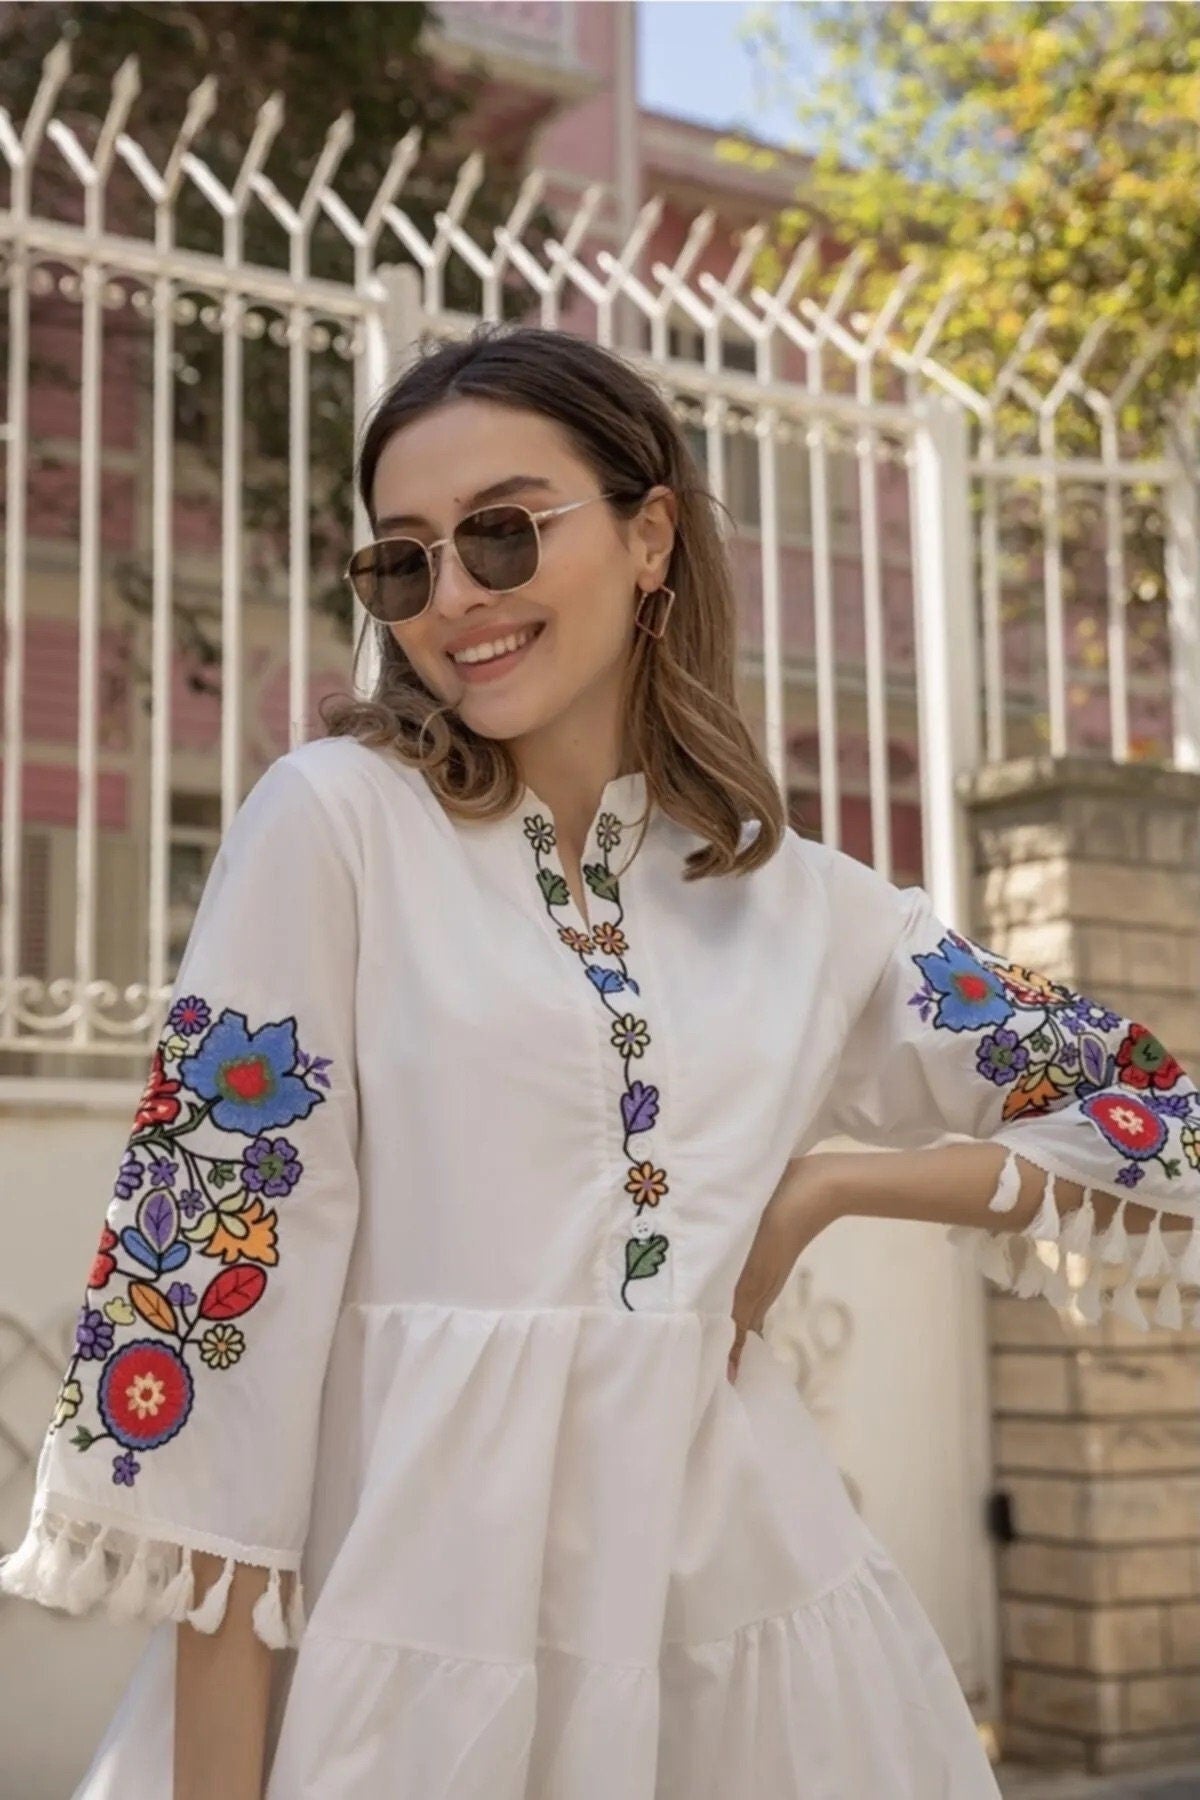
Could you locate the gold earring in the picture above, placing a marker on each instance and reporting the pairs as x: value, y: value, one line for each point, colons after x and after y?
x: 649, y: 594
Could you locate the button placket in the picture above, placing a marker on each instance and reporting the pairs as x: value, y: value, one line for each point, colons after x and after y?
x: 643, y: 1248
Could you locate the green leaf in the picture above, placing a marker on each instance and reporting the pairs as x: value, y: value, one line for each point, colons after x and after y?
x: 644, y: 1256
x: 222, y: 1174
x: 554, y: 889
x: 83, y: 1438
x: 602, y: 881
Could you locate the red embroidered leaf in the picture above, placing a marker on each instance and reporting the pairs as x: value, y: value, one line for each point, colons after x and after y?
x: 233, y: 1291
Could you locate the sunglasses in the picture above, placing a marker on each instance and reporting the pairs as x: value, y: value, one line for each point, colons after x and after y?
x: 500, y: 547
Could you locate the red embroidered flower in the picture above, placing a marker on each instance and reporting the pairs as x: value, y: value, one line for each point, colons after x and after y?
x: 145, y: 1394
x: 1127, y: 1123
x: 158, y: 1104
x: 102, y: 1263
x: 1142, y: 1062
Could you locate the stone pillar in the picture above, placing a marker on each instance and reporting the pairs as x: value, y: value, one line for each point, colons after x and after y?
x: 1090, y: 872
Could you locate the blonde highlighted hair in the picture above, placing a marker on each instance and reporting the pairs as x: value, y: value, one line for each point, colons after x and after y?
x: 683, y: 724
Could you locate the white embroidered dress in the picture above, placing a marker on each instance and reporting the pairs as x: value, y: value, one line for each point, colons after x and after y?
x: 416, y: 1277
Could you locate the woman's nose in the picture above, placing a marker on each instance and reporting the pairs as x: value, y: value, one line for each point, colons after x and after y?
x: 453, y: 589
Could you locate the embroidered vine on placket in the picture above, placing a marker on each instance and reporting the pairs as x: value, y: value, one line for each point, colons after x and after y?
x: 645, y: 1248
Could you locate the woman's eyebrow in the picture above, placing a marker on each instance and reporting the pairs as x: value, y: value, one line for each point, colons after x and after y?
x: 498, y: 490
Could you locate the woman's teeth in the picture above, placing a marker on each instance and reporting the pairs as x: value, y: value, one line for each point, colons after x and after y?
x: 498, y: 647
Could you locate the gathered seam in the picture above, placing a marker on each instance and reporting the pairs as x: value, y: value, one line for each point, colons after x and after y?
x: 411, y: 1646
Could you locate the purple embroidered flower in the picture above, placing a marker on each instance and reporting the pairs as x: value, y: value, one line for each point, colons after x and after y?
x: 163, y: 1172
x: 1001, y: 1057
x: 180, y: 1294
x: 191, y: 1201
x: 271, y: 1167
x: 314, y: 1066
x: 1175, y: 1106
x: 189, y: 1015
x: 1130, y: 1175
x: 924, y: 1000
x: 93, y: 1333
x: 129, y: 1176
x: 1082, y: 1014
x: 125, y: 1467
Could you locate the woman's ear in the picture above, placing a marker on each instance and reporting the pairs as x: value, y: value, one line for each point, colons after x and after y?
x: 655, y: 526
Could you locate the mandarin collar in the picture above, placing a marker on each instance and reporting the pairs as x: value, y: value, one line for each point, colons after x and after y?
x: 624, y: 796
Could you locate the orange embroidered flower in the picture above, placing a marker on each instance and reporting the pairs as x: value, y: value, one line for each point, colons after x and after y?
x: 256, y: 1243
x: 610, y: 939
x: 578, y: 940
x: 646, y: 1183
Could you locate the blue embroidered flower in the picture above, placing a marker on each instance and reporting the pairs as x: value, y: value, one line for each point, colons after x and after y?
x: 247, y: 1075
x: 970, y: 995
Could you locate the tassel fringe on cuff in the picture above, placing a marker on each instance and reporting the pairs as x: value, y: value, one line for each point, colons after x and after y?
x: 78, y: 1565
x: 1074, y: 1266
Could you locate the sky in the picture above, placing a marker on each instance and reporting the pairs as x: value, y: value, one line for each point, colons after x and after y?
x: 693, y: 65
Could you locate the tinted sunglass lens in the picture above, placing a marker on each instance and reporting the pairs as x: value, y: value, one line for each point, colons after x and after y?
x: 391, y: 578
x: 498, y: 547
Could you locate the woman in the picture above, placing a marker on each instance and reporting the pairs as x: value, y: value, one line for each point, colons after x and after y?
x: 474, y: 1151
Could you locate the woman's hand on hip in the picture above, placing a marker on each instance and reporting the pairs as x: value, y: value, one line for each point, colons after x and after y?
x: 803, y: 1204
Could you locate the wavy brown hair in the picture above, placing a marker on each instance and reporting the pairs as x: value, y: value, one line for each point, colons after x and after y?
x: 683, y: 724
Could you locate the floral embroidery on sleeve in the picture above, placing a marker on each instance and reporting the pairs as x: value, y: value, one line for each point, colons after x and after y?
x: 173, y: 1206
x: 1048, y: 1047
x: 646, y: 1184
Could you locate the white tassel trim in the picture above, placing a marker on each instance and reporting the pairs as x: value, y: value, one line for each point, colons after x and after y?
x: 1044, y: 1226
x: 1154, y: 1259
x: 78, y: 1564
x: 1062, y: 1257
x: 1008, y: 1185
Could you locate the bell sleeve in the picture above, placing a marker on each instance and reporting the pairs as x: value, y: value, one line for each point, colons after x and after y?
x: 186, y: 1417
x: 944, y: 1038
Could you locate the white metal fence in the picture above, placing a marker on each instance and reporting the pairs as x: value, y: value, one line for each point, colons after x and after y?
x: 900, y: 592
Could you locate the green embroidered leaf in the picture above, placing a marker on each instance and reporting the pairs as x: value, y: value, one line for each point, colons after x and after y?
x: 644, y: 1256
x: 222, y: 1173
x: 555, y: 891
x: 1171, y: 1165
x: 602, y: 881
x: 1062, y: 1078
x: 202, y: 1229
x: 1040, y: 1041
x: 82, y: 1438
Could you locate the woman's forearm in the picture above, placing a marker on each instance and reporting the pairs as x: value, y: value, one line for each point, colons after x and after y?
x: 953, y: 1185
x: 222, y: 1689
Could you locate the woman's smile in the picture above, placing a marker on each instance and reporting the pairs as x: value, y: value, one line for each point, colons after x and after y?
x: 491, y: 667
